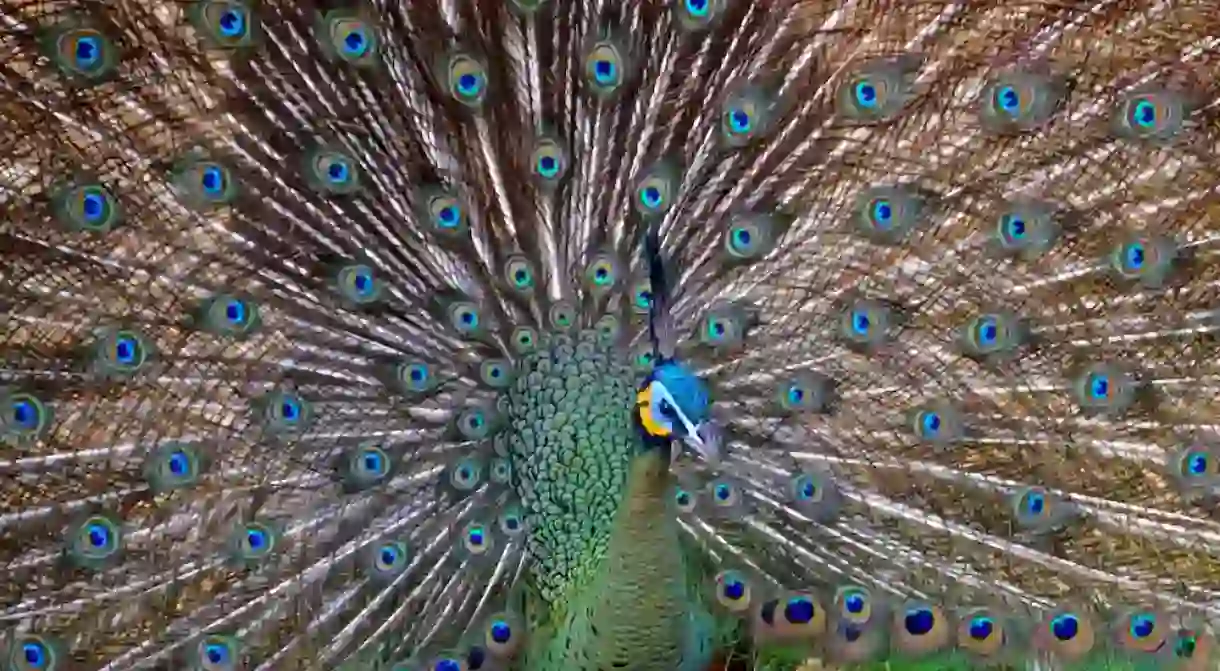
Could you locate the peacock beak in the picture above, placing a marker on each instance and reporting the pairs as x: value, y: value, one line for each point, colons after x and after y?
x: 704, y: 440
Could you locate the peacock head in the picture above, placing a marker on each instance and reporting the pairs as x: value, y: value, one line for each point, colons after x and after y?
x: 673, y: 404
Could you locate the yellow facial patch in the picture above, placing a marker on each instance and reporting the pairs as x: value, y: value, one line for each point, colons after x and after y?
x: 643, y: 407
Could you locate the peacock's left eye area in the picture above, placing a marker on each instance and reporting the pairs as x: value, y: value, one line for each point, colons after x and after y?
x: 667, y: 410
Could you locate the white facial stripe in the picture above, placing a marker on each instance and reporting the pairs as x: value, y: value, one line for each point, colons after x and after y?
x: 660, y: 393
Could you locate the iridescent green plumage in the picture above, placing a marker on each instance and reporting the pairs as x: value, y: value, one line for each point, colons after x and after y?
x: 571, y: 444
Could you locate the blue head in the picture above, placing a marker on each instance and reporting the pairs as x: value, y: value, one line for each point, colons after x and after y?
x: 674, y: 404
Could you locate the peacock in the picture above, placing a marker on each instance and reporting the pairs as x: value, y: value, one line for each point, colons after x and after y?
x: 537, y: 335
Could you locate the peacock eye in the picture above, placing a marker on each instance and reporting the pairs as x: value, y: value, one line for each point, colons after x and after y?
x: 667, y: 410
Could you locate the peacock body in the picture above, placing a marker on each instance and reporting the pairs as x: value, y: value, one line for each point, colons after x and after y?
x: 463, y: 334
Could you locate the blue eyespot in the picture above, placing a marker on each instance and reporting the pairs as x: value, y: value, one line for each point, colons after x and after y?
x: 179, y: 463
x: 919, y: 621
x: 469, y: 84
x: 93, y: 206
x: 1099, y: 386
x: 651, y: 197
x: 373, y: 461
x: 1134, y: 256
x: 1013, y: 227
x: 81, y: 52
x: 882, y: 213
x: 1065, y: 627
x: 987, y: 331
x: 698, y: 8
x: 501, y: 632
x: 449, y: 216
x: 385, y: 561
x: 643, y: 299
x: 1143, y: 113
x: 799, y: 610
x: 359, y: 284
x: 285, y: 411
x: 807, y: 489
x: 1148, y: 260
x: 355, y: 43
x: 338, y: 172
x: 216, y: 653
x: 99, y: 535
x: 865, y: 94
x: 253, y: 542
x: 604, y: 71
x: 388, y: 555
x: 175, y: 465
x: 127, y: 350
x: 604, y: 66
x: 22, y: 412
x: 1142, y: 626
x: 94, y: 541
x: 733, y: 588
x: 88, y: 52
x: 26, y: 415
x: 212, y: 178
x: 740, y: 121
x: 860, y: 322
x: 1034, y: 503
x: 1008, y: 99
x: 362, y: 282
x: 930, y: 422
x: 232, y: 22
x: 854, y: 608
x: 35, y: 654
x: 981, y: 628
x: 235, y: 311
x: 1196, y: 464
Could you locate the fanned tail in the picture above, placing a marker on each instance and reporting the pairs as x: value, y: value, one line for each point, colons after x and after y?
x: 312, y: 314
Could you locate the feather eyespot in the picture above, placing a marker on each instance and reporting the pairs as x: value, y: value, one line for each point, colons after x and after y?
x: 32, y: 652
x: 605, y: 68
x: 216, y: 653
x: 88, y: 207
x: 23, y: 416
x: 81, y: 52
x: 225, y: 24
x: 465, y: 78
x: 548, y: 161
x: 345, y: 35
x: 697, y: 15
